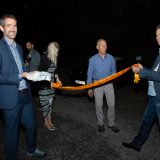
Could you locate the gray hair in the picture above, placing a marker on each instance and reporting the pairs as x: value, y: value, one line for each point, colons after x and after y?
x: 158, y: 27
x: 2, y: 20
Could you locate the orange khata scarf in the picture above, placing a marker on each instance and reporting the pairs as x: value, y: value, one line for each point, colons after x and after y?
x: 96, y: 83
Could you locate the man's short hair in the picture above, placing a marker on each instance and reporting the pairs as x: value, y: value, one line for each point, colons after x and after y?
x: 2, y: 20
x: 158, y: 27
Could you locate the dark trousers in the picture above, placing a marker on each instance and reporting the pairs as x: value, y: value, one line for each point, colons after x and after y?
x: 23, y: 114
x: 152, y: 111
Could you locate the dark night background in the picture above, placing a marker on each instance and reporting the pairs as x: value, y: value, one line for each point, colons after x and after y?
x: 128, y: 26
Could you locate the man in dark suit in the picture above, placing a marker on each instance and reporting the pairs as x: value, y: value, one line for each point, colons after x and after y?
x: 153, y: 107
x: 15, y: 97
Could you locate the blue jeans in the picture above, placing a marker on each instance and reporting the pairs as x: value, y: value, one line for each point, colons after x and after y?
x: 152, y: 111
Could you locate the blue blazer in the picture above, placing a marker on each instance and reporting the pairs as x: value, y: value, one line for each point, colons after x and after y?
x: 151, y: 75
x: 9, y: 76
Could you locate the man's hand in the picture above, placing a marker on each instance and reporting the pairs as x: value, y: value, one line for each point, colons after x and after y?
x: 137, y: 68
x: 26, y: 63
x: 140, y: 66
x: 90, y: 92
x: 24, y: 74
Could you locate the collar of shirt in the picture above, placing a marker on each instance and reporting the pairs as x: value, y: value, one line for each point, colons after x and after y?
x: 10, y: 44
x: 102, y: 57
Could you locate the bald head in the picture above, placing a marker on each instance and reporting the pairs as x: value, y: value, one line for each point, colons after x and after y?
x: 101, y: 46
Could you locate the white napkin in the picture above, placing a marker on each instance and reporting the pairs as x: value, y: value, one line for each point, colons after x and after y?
x: 39, y: 76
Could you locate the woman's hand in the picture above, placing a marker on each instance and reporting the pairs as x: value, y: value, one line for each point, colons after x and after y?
x: 58, y: 81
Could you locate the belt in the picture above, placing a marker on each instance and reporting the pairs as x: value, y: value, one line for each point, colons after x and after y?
x: 23, y: 90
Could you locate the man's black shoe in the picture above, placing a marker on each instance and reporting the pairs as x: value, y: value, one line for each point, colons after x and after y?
x: 131, y: 146
x: 101, y: 128
x: 114, y: 128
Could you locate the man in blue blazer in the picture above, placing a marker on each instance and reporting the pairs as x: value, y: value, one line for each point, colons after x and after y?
x: 153, y: 107
x: 15, y: 97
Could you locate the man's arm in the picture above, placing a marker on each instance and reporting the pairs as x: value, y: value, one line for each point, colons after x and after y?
x: 113, y: 66
x: 150, y: 74
x: 90, y: 77
x: 90, y: 72
x: 147, y: 73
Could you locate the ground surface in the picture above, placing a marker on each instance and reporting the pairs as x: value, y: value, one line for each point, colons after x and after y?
x: 76, y: 137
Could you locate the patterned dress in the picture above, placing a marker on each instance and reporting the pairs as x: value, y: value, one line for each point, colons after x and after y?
x: 46, y: 93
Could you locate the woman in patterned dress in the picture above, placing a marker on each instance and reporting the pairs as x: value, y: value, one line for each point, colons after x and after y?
x: 48, y: 63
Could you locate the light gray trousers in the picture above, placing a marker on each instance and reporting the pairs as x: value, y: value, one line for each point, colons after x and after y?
x: 108, y: 91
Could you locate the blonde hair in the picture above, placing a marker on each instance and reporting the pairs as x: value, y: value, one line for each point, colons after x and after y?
x: 52, y: 50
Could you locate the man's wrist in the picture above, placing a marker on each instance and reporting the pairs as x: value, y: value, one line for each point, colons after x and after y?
x: 20, y: 77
